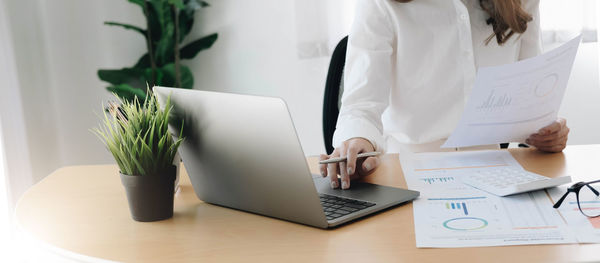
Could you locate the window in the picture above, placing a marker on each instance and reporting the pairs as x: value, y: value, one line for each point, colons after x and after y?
x: 6, y: 234
x: 8, y: 126
x: 562, y: 20
x: 320, y: 25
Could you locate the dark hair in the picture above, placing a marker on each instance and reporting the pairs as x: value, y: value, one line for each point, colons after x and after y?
x: 506, y: 17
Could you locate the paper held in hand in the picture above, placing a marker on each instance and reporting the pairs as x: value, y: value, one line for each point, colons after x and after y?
x: 510, y: 102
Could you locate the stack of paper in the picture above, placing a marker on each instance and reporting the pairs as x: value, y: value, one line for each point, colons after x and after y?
x: 510, y: 102
x: 452, y: 214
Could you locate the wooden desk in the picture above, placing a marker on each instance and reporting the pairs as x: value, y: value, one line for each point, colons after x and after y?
x: 83, y: 209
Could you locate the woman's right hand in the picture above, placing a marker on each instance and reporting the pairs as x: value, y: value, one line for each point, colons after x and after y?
x: 352, y: 168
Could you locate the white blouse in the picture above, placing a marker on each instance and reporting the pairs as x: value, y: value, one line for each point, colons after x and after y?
x: 410, y: 67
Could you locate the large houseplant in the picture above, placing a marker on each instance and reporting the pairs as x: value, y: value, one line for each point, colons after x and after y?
x: 137, y: 135
x: 168, y: 22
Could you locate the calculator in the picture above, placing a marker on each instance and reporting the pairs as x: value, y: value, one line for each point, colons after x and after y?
x: 507, y: 181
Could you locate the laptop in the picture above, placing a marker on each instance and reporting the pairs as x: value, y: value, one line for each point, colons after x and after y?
x: 242, y: 152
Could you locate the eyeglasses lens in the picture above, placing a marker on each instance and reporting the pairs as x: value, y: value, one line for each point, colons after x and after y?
x: 589, y: 201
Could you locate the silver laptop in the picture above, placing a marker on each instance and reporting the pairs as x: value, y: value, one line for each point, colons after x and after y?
x: 242, y: 152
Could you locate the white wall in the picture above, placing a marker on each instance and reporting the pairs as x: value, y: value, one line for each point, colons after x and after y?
x: 256, y: 54
x: 581, y: 104
x: 77, y: 44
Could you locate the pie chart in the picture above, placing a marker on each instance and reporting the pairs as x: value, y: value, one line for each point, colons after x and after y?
x: 465, y: 223
x: 546, y: 86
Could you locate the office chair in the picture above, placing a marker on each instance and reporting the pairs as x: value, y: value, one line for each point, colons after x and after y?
x: 334, y: 87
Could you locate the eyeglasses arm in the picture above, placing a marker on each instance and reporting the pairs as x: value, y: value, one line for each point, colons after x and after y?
x: 593, y: 190
x: 561, y: 200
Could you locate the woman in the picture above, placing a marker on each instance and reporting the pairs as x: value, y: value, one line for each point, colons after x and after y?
x: 410, y: 67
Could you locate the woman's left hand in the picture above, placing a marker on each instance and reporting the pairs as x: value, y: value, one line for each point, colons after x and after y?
x: 552, y: 138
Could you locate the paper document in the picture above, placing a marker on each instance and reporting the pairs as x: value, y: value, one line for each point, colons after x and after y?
x: 586, y: 229
x: 510, y: 102
x: 451, y: 214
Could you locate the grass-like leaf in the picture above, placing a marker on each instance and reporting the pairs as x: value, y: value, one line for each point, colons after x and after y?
x: 140, y: 141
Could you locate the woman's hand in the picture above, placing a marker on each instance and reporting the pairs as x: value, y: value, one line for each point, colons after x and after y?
x: 351, y: 168
x: 552, y: 138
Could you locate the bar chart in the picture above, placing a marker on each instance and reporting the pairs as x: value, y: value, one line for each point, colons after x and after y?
x: 458, y: 206
x: 495, y: 102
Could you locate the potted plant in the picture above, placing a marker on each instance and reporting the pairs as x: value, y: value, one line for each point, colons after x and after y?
x: 137, y: 135
x: 168, y: 23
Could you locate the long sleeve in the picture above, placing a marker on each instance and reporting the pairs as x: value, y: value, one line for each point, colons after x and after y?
x: 531, y: 39
x: 368, y: 75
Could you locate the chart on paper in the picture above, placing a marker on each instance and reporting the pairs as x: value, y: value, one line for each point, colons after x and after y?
x: 495, y: 102
x: 452, y: 214
x: 434, y: 170
x: 488, y: 221
x: 437, y: 180
x: 512, y: 101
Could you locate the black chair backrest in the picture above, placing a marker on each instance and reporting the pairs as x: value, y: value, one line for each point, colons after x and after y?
x: 332, y: 92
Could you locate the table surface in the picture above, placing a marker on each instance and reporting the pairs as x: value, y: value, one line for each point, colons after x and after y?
x: 83, y: 209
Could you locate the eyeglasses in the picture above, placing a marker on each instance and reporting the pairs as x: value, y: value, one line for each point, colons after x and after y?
x: 588, y: 198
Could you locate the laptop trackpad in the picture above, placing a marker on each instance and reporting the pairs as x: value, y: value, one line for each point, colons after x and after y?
x: 365, y: 191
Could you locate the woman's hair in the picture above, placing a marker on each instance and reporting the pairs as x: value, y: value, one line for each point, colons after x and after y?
x: 506, y: 17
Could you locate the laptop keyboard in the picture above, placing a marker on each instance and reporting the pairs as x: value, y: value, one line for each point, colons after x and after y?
x: 335, y: 206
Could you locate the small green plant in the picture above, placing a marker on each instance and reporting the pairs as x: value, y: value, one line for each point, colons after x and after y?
x: 138, y: 137
x: 168, y: 22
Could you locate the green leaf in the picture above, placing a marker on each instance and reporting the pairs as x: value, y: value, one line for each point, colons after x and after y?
x: 186, y: 22
x: 186, y: 17
x: 133, y: 77
x: 158, y: 76
x: 163, y: 52
x: 152, y: 23
x: 162, y: 30
x: 127, y: 92
x: 177, y: 3
x: 142, y: 144
x: 137, y: 2
x: 187, y: 78
x: 143, y: 62
x: 118, y: 76
x: 191, y: 49
x: 127, y: 26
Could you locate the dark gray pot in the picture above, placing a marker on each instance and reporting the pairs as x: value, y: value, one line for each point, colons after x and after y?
x: 150, y: 196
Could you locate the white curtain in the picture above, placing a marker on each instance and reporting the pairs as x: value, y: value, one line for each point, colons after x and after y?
x: 17, y: 176
x: 320, y: 25
x: 561, y: 20
x: 14, y: 159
